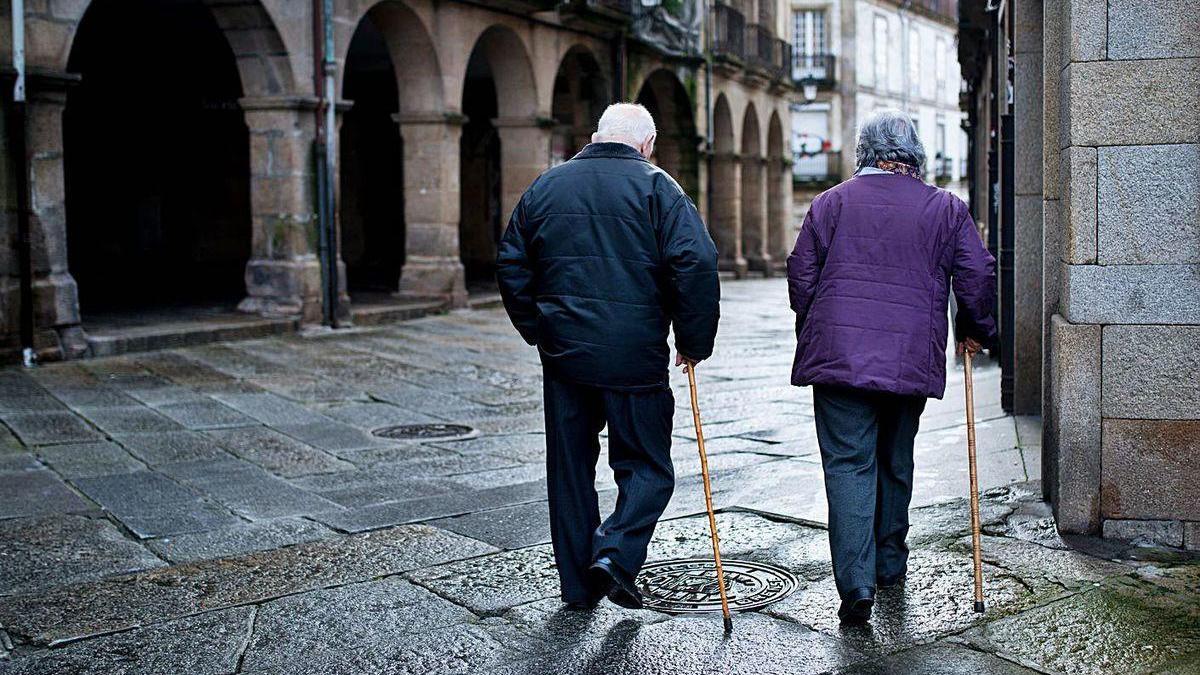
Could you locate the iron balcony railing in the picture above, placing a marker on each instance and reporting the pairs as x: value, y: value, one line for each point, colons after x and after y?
x: 620, y: 11
x: 943, y: 169
x: 822, y: 168
x: 816, y: 67
x: 947, y: 9
x: 758, y: 46
x: 729, y: 32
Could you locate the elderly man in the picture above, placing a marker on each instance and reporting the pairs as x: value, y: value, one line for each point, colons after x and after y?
x: 869, y: 278
x: 602, y: 256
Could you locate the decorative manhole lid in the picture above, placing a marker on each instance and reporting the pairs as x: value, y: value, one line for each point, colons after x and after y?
x: 419, y: 432
x: 685, y: 586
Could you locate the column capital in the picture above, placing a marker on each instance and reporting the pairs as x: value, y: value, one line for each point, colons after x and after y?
x: 532, y: 121
x: 429, y: 118
x: 249, y: 103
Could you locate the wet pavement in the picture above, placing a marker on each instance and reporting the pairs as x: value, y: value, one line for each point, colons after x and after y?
x: 227, y: 508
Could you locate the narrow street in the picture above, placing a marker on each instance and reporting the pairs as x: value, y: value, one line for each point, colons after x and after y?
x: 231, y: 508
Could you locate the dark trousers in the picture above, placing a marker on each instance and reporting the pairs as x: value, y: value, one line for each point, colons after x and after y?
x: 866, y: 441
x: 639, y: 452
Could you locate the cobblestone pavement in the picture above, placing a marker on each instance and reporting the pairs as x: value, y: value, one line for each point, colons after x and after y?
x: 226, y: 508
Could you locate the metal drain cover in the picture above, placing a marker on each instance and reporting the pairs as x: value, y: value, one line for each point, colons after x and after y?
x: 421, y: 432
x: 686, y: 586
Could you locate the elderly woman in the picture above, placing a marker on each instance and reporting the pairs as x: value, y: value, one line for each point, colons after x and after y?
x: 869, y: 281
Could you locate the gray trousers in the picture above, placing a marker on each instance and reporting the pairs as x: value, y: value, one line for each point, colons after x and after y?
x: 866, y: 441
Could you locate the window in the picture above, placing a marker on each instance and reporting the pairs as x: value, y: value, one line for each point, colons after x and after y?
x: 809, y: 44
x: 881, y: 51
x: 939, y: 58
x: 914, y: 62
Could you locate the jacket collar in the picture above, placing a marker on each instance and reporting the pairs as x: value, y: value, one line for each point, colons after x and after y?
x: 608, y: 151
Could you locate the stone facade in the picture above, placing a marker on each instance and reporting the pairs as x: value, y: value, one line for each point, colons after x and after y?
x: 1104, y: 252
x: 461, y: 71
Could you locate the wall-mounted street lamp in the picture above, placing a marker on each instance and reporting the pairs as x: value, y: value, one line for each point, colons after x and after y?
x: 808, y: 87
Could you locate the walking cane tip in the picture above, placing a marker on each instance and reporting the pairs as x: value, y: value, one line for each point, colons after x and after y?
x: 979, y: 606
x: 728, y: 625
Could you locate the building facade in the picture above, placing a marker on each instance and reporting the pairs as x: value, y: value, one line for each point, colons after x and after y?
x: 174, y: 148
x: 859, y: 56
x: 1085, y: 148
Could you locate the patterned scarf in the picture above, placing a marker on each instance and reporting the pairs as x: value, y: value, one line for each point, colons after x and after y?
x: 900, y: 168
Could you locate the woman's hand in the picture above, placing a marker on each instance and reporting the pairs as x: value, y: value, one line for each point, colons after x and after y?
x: 967, y: 345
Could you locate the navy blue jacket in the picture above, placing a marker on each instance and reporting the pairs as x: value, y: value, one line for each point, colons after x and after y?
x: 601, y: 256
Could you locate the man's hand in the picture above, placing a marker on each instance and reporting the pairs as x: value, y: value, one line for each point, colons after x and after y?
x: 967, y: 345
x: 681, y: 360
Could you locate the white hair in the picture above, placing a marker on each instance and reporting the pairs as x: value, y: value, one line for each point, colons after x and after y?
x: 628, y: 123
x: 889, y: 135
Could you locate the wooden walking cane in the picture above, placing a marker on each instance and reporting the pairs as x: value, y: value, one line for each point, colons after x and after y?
x: 712, y: 518
x: 975, y: 539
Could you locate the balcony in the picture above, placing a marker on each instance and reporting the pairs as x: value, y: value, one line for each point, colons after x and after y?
x: 943, y: 169
x: 816, y: 170
x: 767, y: 53
x: 946, y: 10
x: 729, y: 33
x: 612, y: 11
x: 820, y: 68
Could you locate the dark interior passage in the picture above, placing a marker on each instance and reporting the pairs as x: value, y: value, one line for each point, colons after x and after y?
x: 372, y: 166
x: 156, y: 158
x: 480, y: 224
x: 676, y: 149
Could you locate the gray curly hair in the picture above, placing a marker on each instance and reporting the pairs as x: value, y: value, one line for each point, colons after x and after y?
x: 889, y: 135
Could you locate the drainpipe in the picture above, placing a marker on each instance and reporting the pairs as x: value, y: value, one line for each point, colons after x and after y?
x: 18, y: 137
x: 708, y: 125
x: 324, y: 68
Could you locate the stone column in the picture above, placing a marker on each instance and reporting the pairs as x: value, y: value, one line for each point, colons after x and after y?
x: 754, y: 214
x: 726, y: 225
x: 55, y: 294
x: 1027, y: 206
x: 432, y: 266
x: 524, y: 155
x: 283, y: 275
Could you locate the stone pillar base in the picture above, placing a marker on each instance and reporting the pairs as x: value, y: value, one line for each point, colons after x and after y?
x: 434, y: 277
x: 57, y: 330
x: 284, y: 288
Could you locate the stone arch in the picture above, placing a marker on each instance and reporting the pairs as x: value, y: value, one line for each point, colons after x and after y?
x: 676, y: 148
x: 505, y: 145
x: 371, y: 210
x: 155, y: 216
x: 263, y: 59
x: 754, y: 193
x: 779, y: 193
x: 580, y: 93
x: 419, y: 82
x: 512, y: 69
x: 725, y: 221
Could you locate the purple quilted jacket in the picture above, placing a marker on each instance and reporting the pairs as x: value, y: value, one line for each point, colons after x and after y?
x: 869, y: 281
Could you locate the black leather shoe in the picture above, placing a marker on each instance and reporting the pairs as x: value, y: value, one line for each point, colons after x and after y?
x: 856, y: 607
x: 604, y: 574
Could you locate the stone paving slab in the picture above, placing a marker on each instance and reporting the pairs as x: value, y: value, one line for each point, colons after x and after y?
x: 1145, y: 629
x: 18, y: 461
x: 207, y: 644
x: 205, y: 414
x: 130, y: 420
x: 276, y: 452
x: 237, y: 539
x: 37, y: 492
x: 122, y: 602
x: 171, y: 447
x: 93, y: 396
x: 269, y: 408
x: 87, y: 460
x: 439, y: 506
x: 939, y: 659
x: 332, y: 625
x: 759, y: 645
x: 511, y: 578
x: 247, y: 490
x: 60, y: 550
x: 151, y: 505
x: 44, y: 428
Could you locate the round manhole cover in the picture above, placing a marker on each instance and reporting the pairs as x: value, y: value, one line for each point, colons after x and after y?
x: 683, y: 586
x: 420, y: 432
